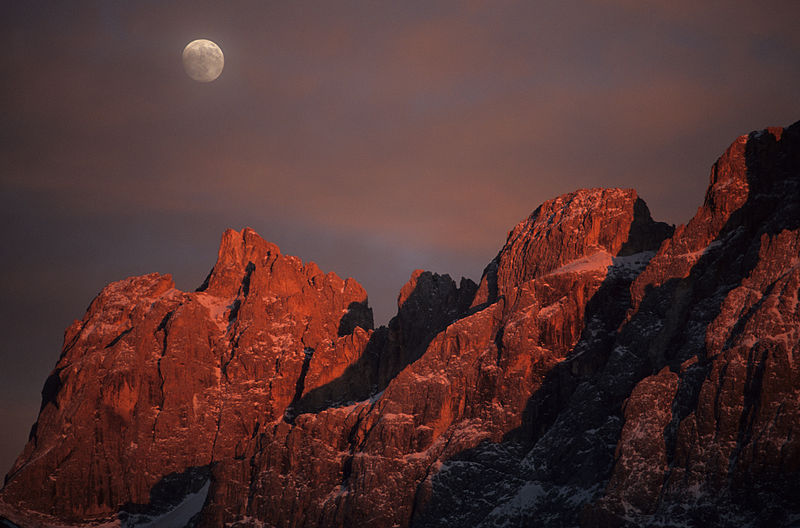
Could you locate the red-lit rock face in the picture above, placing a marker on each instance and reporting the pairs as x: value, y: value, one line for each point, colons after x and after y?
x: 154, y: 380
x: 605, y: 371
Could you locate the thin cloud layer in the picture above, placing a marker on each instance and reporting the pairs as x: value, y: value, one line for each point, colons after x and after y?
x: 373, y: 138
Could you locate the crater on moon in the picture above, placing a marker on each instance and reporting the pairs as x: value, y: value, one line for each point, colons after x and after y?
x: 203, y: 60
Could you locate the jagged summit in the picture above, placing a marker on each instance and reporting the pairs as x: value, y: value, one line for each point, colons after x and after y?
x: 607, y: 371
x: 585, y: 224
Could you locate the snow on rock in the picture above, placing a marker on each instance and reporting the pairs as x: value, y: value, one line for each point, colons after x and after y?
x: 605, y: 372
x: 178, y: 517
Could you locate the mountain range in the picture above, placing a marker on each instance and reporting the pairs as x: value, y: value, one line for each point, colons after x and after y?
x: 608, y: 370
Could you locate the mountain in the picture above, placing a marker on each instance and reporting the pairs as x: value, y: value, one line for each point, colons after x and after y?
x: 608, y: 370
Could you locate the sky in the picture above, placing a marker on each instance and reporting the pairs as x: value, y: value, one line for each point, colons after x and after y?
x: 371, y: 137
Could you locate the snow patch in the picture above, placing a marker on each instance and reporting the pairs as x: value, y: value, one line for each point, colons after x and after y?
x: 218, y: 309
x: 178, y: 516
x: 694, y: 255
x: 604, y: 262
x: 632, y: 264
x: 596, y: 262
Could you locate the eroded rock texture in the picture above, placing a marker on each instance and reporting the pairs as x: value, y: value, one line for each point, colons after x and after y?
x: 605, y: 372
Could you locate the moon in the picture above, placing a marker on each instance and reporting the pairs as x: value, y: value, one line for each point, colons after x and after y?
x: 203, y: 60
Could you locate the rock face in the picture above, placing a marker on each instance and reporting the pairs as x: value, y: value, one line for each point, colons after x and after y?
x: 606, y: 371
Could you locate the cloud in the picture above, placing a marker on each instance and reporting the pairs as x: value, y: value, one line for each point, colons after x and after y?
x: 373, y: 138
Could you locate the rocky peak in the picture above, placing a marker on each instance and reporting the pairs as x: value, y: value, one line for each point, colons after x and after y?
x: 604, y: 387
x: 587, y: 222
x: 426, y: 305
x: 150, y: 368
x: 753, y: 187
x: 239, y: 252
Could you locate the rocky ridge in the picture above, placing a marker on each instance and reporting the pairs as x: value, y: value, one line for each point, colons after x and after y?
x: 606, y: 371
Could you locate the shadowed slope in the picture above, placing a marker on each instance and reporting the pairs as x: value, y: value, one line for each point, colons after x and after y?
x: 602, y: 373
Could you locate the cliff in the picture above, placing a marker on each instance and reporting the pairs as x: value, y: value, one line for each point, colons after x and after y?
x: 606, y: 371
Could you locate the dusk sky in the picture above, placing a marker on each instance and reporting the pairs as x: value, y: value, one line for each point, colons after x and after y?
x: 372, y: 138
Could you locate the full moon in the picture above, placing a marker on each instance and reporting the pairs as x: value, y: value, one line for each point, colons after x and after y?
x: 203, y: 60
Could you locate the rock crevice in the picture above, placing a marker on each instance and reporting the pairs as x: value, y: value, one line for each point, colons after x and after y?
x: 608, y: 370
